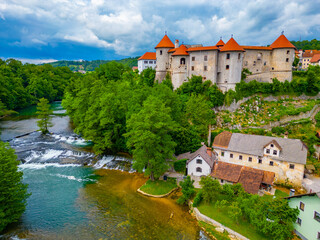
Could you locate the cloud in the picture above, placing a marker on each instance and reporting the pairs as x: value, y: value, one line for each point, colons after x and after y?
x: 129, y: 27
x: 32, y: 61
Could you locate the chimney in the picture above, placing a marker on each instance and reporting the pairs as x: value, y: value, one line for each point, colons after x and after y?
x: 209, y: 151
x: 176, y: 43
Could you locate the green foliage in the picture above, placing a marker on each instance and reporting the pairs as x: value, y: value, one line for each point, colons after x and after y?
x: 210, y: 188
x: 44, y: 112
x: 221, y: 204
x: 244, y: 73
x: 278, y: 130
x: 197, y: 200
x: 148, y: 76
x: 187, y: 191
x: 313, y: 44
x: 234, y: 211
x: 180, y: 165
x: 22, y: 85
x: 13, y: 193
x: 295, y: 62
x: 159, y: 187
x: 149, y: 137
x: 317, y: 118
x: 187, y: 139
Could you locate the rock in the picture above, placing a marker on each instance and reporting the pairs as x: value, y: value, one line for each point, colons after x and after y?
x: 220, y: 229
x: 232, y: 237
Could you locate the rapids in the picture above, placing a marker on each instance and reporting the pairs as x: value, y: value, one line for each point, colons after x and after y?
x: 72, y: 201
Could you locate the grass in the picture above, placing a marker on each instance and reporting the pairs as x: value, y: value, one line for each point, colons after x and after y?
x: 212, y: 230
x: 244, y: 228
x: 159, y: 187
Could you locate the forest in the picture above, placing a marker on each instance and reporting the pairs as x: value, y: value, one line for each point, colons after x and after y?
x: 313, y: 44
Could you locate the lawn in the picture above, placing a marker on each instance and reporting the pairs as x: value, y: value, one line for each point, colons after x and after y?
x: 244, y: 228
x: 159, y: 187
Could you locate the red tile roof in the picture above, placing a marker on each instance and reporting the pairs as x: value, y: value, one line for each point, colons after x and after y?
x: 282, y: 42
x: 148, y: 56
x: 207, y: 48
x: 220, y: 43
x: 181, y: 51
x: 165, y: 43
x: 222, y: 139
x: 310, y: 53
x: 227, y: 171
x: 256, y: 48
x: 232, y: 45
x: 315, y: 58
x: 172, y: 50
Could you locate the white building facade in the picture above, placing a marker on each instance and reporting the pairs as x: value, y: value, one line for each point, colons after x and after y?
x: 147, y: 60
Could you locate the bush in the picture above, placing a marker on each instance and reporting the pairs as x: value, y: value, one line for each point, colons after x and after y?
x: 180, y: 165
x: 197, y: 200
x: 278, y: 130
x: 187, y: 191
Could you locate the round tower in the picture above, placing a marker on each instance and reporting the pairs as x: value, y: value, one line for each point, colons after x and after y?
x: 163, y: 57
x: 283, y: 53
x: 230, y: 65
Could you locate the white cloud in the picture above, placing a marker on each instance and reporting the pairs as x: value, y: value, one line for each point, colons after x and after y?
x: 32, y: 61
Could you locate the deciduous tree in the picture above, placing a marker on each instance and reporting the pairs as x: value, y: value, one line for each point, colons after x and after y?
x: 44, y: 112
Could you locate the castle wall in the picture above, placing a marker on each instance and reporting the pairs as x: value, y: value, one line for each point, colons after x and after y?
x: 229, y: 70
x: 282, y: 60
x: 199, y: 65
x: 162, y: 63
x: 179, y: 71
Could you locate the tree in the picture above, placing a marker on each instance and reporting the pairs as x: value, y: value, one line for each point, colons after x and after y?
x: 210, y: 188
x: 44, y: 113
x: 187, y: 191
x: 149, y: 137
x: 13, y: 193
x: 235, y: 212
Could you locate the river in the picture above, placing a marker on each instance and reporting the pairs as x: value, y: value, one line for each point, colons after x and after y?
x: 72, y: 201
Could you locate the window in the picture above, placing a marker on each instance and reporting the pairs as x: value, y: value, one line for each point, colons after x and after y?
x: 316, y: 216
x: 205, y: 68
x: 271, y: 145
x: 239, y: 55
x: 182, y: 61
x: 145, y: 61
x: 154, y: 62
x: 227, y: 67
x: 205, y: 58
x: 160, y: 52
x: 318, y: 235
x: 260, y: 161
x: 271, y: 163
x: 301, y: 207
x: 267, y: 150
x: 231, y: 155
x: 150, y: 62
x: 299, y: 221
x: 275, y: 152
x: 240, y: 157
x: 192, y: 68
x: 259, y: 56
x: 198, y: 169
x: 250, y: 159
x: 193, y: 58
x: 199, y: 161
x: 222, y: 154
x: 291, y: 166
x: 273, y: 68
x: 228, y: 55
x: 288, y: 51
x: 254, y: 63
x: 221, y: 180
x: 265, y: 63
x: 287, y: 59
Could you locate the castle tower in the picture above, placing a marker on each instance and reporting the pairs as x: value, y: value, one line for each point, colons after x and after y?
x: 163, y: 57
x: 229, y: 65
x: 179, y: 66
x: 220, y: 44
x: 283, y: 53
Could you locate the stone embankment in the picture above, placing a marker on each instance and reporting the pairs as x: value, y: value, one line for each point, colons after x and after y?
x: 156, y: 196
x: 219, y: 227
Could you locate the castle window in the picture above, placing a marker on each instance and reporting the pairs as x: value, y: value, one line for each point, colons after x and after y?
x: 260, y: 161
x: 250, y: 159
x: 228, y: 55
x: 288, y: 51
x: 239, y: 55
x: 160, y: 52
x: 205, y: 58
x: 205, y: 68
x: 273, y: 68
x: 145, y: 61
x: 204, y: 78
x: 193, y: 58
x: 254, y: 63
x: 199, y: 161
x: 227, y: 67
x: 287, y: 59
x: 231, y: 155
x: 198, y: 169
x: 240, y: 157
x: 192, y: 68
x: 182, y: 61
x: 259, y: 56
x: 291, y: 166
x: 271, y: 163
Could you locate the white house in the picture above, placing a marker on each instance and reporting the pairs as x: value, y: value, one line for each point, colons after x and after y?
x: 147, y: 60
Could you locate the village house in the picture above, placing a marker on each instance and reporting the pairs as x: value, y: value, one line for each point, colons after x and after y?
x: 284, y: 157
x: 147, y: 60
x: 307, y: 225
x: 222, y: 63
x: 315, y: 60
x: 306, y: 58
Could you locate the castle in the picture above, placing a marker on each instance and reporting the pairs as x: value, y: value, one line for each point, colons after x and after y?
x: 223, y: 63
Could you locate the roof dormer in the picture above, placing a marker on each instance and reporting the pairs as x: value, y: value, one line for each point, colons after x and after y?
x: 272, y: 149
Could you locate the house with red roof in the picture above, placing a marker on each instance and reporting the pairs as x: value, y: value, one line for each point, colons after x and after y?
x: 315, y: 60
x: 147, y: 60
x: 222, y: 63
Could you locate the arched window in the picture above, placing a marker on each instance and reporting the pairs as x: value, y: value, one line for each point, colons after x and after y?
x: 160, y: 52
x: 239, y: 55
x: 182, y: 61
x: 199, y: 161
x: 198, y: 169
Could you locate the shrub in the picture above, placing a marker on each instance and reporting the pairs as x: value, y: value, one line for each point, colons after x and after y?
x: 180, y: 165
x: 197, y: 200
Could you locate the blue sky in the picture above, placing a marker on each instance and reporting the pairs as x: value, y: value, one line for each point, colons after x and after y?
x: 46, y: 30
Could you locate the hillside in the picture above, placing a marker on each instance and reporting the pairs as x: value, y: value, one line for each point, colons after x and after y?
x: 314, y: 44
x: 92, y: 65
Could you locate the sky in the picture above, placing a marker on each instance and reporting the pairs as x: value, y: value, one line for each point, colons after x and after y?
x: 46, y: 30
